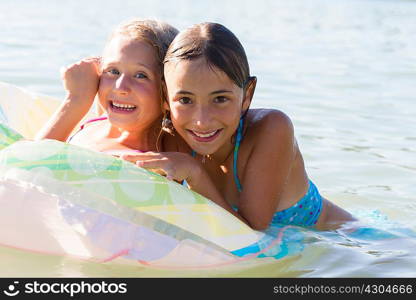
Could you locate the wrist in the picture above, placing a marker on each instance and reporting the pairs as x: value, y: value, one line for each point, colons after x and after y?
x: 77, y: 103
x: 195, y: 174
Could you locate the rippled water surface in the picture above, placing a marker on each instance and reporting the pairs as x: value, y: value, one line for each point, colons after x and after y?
x: 344, y: 71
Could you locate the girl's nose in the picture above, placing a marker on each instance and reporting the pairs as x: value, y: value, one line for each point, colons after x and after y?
x: 122, y: 84
x: 202, y: 117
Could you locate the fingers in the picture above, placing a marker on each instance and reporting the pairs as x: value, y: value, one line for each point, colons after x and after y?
x: 159, y: 166
x: 148, y: 160
x: 133, y: 157
x: 158, y: 171
x: 92, y: 58
x: 96, y: 60
x: 171, y: 165
x: 152, y: 164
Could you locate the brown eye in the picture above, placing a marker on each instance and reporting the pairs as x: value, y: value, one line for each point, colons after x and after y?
x: 220, y: 99
x: 185, y: 100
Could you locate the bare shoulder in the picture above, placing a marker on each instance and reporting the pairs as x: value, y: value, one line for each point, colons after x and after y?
x: 269, y: 121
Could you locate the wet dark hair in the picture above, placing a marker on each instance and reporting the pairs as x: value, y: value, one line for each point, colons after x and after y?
x: 221, y: 50
x: 218, y: 45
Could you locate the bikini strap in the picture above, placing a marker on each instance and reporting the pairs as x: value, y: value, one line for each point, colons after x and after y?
x: 92, y: 120
x: 85, y: 123
x: 238, y: 139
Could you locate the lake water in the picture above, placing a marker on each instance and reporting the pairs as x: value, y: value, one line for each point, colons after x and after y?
x: 344, y: 71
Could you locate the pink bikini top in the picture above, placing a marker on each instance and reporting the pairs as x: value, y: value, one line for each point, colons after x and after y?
x: 85, y: 123
x: 117, y: 152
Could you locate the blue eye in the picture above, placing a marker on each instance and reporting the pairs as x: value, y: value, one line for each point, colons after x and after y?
x: 113, y: 72
x: 140, y: 75
x: 185, y: 100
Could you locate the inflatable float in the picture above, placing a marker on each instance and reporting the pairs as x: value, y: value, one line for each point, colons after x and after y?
x: 61, y: 199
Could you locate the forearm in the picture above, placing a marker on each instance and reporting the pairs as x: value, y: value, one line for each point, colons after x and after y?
x: 62, y: 122
x: 201, y: 183
x: 180, y: 166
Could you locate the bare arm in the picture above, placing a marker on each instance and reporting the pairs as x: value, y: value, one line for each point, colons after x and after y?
x: 81, y: 84
x: 62, y: 123
x: 267, y: 169
x: 201, y: 182
x: 181, y: 166
x: 266, y: 173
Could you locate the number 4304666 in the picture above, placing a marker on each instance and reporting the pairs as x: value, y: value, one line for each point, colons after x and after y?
x: 388, y: 289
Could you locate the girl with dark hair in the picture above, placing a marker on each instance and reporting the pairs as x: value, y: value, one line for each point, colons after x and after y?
x: 246, y: 160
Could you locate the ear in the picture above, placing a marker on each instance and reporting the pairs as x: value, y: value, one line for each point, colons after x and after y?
x: 249, y: 93
x: 165, y: 105
x: 164, y: 93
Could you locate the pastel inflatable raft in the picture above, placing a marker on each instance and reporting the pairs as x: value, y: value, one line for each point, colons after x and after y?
x: 61, y: 199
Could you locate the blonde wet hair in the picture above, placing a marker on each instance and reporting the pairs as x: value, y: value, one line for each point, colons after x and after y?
x: 156, y: 33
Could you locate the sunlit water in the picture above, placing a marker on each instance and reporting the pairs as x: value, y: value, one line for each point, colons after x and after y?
x: 344, y: 71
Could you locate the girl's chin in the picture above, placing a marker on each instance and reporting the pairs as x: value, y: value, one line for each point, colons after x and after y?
x: 202, y: 149
x: 122, y: 124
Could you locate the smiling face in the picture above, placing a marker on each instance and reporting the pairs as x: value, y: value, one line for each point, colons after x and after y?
x: 205, y: 105
x: 129, y: 88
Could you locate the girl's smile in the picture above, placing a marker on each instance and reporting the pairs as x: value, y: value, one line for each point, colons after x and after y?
x: 205, y: 105
x: 205, y: 137
x: 129, y: 88
x: 120, y: 107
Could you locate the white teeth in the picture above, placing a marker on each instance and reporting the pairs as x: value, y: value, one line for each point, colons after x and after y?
x: 206, y: 134
x: 124, y: 106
